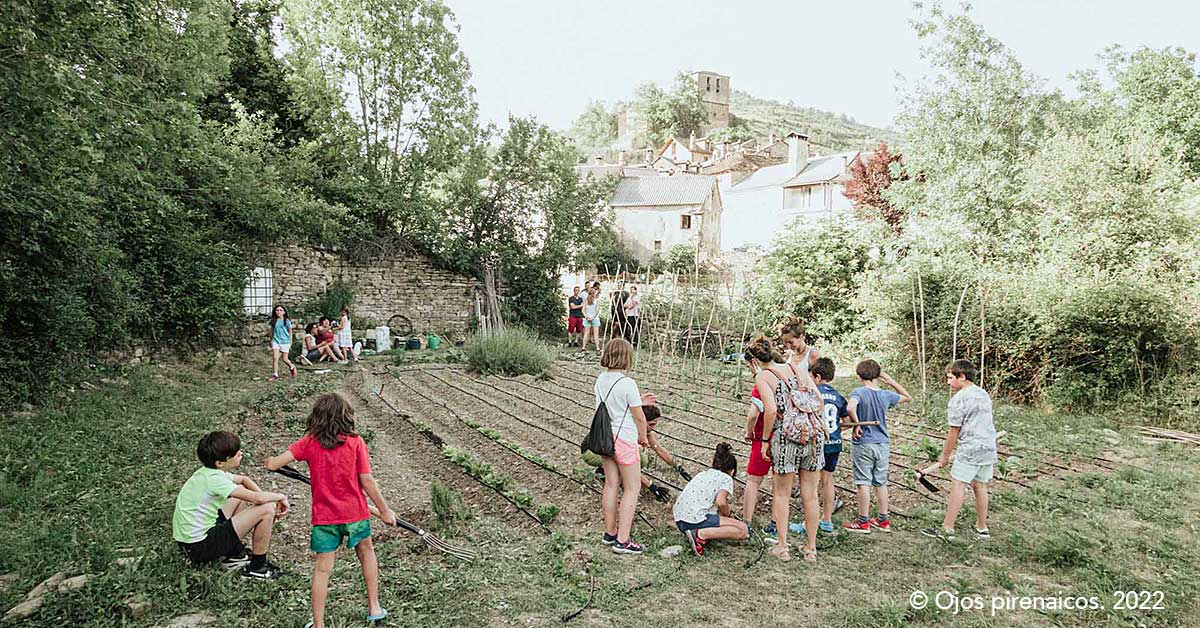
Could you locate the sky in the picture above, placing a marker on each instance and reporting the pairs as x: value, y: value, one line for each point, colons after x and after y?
x: 548, y: 58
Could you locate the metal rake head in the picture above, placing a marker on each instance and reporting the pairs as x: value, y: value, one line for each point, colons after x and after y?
x: 460, y: 553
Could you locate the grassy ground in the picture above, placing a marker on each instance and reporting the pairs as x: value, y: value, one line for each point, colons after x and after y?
x: 94, y: 480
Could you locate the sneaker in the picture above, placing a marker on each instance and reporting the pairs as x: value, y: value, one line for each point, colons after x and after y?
x: 940, y: 534
x: 770, y: 534
x: 825, y: 526
x: 607, y: 539
x: 983, y: 534
x: 883, y: 525
x: 267, y: 572
x: 293, y: 372
x: 599, y: 473
x: 628, y: 547
x: 796, y: 528
x: 837, y: 505
x: 697, y: 542
x: 858, y: 525
x: 235, y: 562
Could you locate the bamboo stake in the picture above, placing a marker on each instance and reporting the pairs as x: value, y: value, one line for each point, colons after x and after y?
x: 957, y: 314
x: 924, y: 350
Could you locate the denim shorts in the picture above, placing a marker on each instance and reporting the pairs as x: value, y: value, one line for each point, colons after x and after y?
x: 870, y: 461
x: 713, y: 520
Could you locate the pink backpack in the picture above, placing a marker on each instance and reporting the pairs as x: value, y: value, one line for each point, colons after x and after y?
x: 800, y: 421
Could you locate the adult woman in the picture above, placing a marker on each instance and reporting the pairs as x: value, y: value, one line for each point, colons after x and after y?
x: 800, y: 353
x: 757, y: 467
x: 622, y: 471
x: 591, y: 317
x: 787, y: 456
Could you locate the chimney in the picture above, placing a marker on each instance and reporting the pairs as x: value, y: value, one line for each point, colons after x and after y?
x: 797, y: 152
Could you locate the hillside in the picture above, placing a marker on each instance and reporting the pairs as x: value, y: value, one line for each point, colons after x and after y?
x: 826, y: 131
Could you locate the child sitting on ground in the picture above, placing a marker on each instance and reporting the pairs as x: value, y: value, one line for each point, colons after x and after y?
x: 870, y: 446
x: 973, y: 433
x: 702, y: 510
x: 823, y: 371
x: 216, y: 509
x: 340, y: 472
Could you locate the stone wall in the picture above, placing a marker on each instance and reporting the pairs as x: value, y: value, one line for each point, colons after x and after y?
x: 434, y: 300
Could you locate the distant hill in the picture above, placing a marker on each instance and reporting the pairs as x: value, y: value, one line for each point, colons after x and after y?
x: 828, y: 132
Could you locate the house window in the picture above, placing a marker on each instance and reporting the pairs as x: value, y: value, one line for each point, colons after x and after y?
x: 685, y: 222
x: 258, y: 293
x: 708, y: 83
x: 718, y: 86
x: 657, y: 246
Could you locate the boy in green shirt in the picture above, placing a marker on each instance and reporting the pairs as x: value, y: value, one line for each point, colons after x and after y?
x: 215, y: 509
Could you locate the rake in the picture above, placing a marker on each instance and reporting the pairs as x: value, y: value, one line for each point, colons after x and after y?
x: 426, y: 537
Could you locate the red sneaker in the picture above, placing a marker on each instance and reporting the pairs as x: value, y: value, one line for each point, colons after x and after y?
x: 293, y: 372
x: 858, y: 526
x: 883, y: 525
x: 697, y: 542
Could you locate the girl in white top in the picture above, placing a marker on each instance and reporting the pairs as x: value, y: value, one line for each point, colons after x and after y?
x: 801, y: 354
x: 345, y: 340
x: 702, y: 511
x: 591, y: 317
x: 622, y: 470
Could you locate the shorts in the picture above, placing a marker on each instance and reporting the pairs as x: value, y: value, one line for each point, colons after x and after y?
x: 967, y: 473
x: 220, y: 541
x: 870, y: 462
x: 757, y: 466
x: 831, y: 460
x: 313, y: 355
x: 713, y: 520
x: 574, y: 325
x: 588, y: 323
x: 327, y: 538
x: 282, y: 348
x: 625, y: 453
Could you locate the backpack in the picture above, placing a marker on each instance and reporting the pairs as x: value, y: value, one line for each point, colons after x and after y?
x: 799, y: 422
x: 599, y: 439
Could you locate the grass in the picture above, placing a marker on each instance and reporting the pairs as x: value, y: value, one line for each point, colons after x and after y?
x: 86, y: 481
x: 512, y: 351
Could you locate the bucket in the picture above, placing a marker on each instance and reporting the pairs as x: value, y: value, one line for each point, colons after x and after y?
x: 413, y: 344
x: 383, y: 338
x: 433, y: 341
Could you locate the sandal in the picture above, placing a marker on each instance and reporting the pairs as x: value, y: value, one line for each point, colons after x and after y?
x: 780, y: 552
x: 810, y: 556
x: 374, y: 618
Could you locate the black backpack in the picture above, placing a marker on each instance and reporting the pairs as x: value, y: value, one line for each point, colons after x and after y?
x: 599, y: 439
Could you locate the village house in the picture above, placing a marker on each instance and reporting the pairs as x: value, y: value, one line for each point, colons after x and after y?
x: 656, y: 213
x: 760, y: 206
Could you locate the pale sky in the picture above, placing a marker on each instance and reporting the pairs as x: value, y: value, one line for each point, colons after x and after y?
x: 547, y: 58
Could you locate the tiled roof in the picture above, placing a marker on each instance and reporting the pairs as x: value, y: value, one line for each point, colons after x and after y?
x: 652, y: 191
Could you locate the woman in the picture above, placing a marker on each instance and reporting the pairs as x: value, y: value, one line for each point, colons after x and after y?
x: 622, y: 470
x: 757, y: 467
x: 591, y: 317
x: 789, y: 457
x: 800, y: 353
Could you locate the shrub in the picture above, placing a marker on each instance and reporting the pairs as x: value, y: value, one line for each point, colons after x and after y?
x: 447, y: 504
x: 329, y: 303
x: 512, y: 351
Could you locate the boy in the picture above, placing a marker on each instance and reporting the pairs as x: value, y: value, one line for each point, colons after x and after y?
x: 823, y: 371
x: 973, y: 433
x: 216, y: 509
x: 575, y: 318
x: 870, y: 451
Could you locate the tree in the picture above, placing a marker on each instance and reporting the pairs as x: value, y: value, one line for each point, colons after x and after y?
x: 595, y: 129
x: 869, y: 180
x: 679, y: 111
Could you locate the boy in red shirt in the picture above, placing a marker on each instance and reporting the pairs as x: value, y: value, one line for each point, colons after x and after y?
x: 340, y: 471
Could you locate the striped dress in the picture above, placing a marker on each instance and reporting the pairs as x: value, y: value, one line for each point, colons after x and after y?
x: 787, y: 456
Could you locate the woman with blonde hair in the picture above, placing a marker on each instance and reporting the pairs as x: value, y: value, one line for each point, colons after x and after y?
x: 617, y: 391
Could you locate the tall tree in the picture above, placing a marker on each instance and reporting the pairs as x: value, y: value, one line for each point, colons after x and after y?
x: 869, y: 179
x: 595, y: 129
x: 677, y: 111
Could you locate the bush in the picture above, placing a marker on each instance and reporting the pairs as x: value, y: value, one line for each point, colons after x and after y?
x: 447, y: 504
x: 513, y: 351
x: 329, y: 303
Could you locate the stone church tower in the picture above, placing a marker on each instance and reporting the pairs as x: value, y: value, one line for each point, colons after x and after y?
x: 714, y: 91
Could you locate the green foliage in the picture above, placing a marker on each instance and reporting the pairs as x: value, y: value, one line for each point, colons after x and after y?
x: 827, y: 132
x: 594, y: 131
x: 678, y: 111
x: 547, y: 513
x: 447, y: 504
x: 679, y: 259
x: 512, y: 351
x: 329, y: 303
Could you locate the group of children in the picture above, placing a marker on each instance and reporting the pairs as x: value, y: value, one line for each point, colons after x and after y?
x: 324, y: 341
x: 216, y: 509
x: 583, y: 315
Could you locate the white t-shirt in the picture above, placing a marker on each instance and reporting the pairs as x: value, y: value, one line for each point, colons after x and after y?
x: 633, y: 306
x: 971, y: 410
x: 624, y: 395
x: 699, y: 497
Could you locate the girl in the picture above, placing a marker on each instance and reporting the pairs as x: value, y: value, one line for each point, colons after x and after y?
x: 281, y: 341
x: 591, y: 317
x: 702, y: 510
x: 340, y: 474
x: 312, y: 353
x: 800, y: 353
x: 622, y: 470
x: 345, y: 342
x: 757, y: 467
x: 788, y: 457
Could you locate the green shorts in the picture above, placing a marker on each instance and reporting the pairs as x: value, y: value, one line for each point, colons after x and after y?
x: 328, y: 538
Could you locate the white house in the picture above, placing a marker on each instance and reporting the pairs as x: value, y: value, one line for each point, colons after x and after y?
x: 759, y: 207
x: 656, y: 213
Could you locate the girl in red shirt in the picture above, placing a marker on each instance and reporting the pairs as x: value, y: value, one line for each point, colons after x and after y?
x: 340, y: 471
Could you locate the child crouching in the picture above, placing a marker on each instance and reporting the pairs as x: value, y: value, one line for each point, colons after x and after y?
x: 702, y: 510
x: 340, y: 471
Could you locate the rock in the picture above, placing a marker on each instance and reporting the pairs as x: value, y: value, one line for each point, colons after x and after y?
x: 1111, y: 436
x: 671, y: 551
x: 136, y: 607
x: 7, y: 580
x: 49, y: 583
x: 72, y: 584
x: 128, y: 561
x: 24, y: 609
x: 192, y: 620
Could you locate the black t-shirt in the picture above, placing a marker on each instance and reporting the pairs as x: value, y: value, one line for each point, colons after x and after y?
x: 576, y: 301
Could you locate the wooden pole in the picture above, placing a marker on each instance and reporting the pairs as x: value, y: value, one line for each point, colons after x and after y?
x: 957, y: 314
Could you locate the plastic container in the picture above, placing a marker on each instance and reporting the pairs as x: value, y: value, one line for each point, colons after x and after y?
x: 432, y: 341
x: 413, y: 344
x: 383, y: 338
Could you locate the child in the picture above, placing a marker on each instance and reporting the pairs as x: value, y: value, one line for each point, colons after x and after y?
x: 702, y: 510
x: 574, y: 318
x: 345, y: 341
x: 973, y: 433
x: 311, y: 352
x: 281, y: 341
x: 326, y: 339
x: 340, y: 472
x: 870, y: 454
x: 216, y: 509
x: 618, y: 392
x: 757, y: 467
x: 823, y: 371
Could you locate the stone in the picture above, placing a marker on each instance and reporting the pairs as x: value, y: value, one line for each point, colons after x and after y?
x: 137, y: 608
x: 670, y: 551
x: 24, y: 609
x: 192, y: 620
x: 49, y: 583
x: 7, y: 580
x: 72, y: 584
